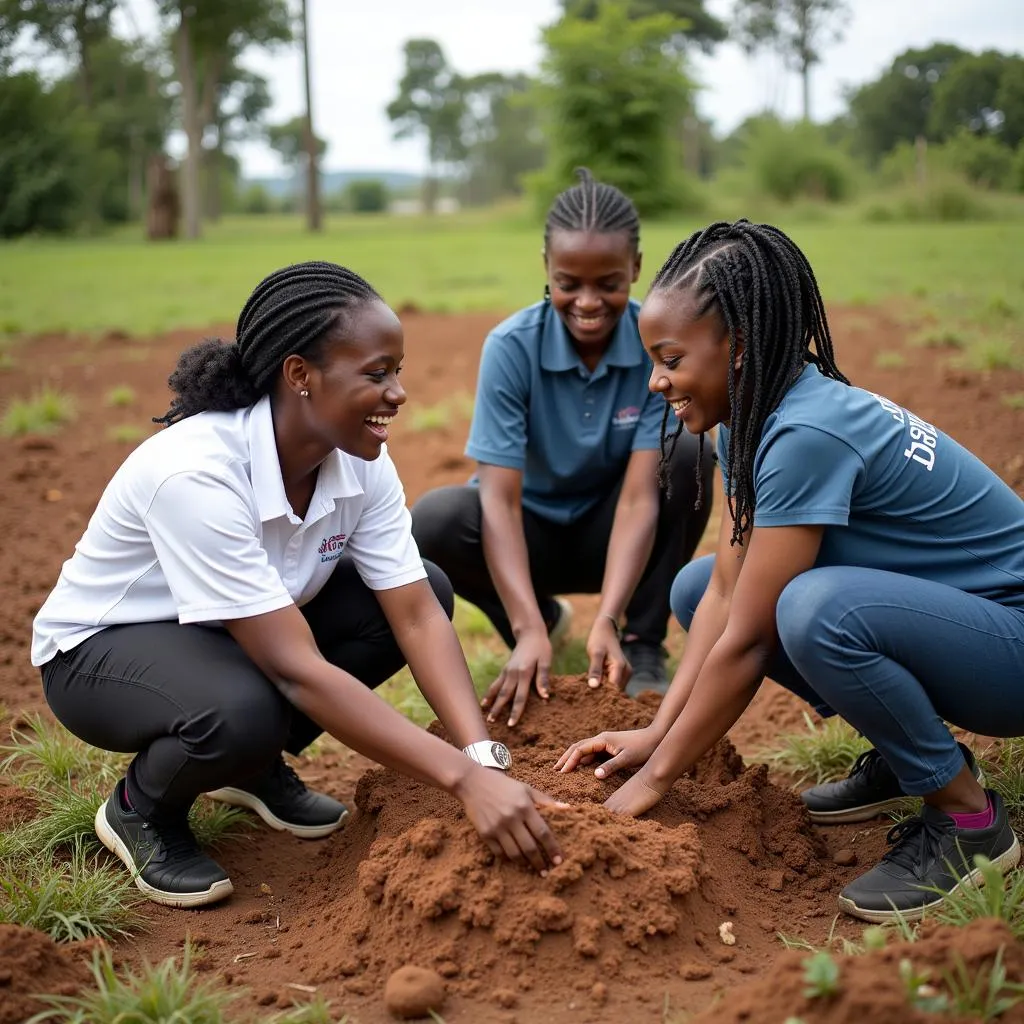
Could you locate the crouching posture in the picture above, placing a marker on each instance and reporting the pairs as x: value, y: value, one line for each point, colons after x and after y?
x: 866, y: 561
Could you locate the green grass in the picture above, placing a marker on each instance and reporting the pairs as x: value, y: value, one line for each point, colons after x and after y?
x: 45, y: 412
x: 822, y: 752
x: 890, y: 360
x: 71, y: 899
x: 473, y: 261
x: 126, y: 433
x: 119, y: 397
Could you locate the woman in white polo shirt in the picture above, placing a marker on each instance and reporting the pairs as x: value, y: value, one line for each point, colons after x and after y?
x: 248, y: 576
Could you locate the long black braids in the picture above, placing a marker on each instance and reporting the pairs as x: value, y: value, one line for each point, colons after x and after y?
x: 761, y: 284
x: 591, y: 205
x: 291, y: 311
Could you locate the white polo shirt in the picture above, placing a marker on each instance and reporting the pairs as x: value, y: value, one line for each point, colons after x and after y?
x: 195, y: 526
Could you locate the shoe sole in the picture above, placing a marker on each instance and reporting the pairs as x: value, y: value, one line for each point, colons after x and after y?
x: 866, y: 812
x: 560, y: 633
x: 240, y: 798
x: 1005, y: 862
x: 115, y: 844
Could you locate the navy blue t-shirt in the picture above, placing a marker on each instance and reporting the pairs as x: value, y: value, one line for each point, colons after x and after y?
x: 569, y: 430
x: 892, y: 491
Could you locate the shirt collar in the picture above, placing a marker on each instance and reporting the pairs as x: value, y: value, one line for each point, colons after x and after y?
x: 558, y: 355
x: 335, y: 480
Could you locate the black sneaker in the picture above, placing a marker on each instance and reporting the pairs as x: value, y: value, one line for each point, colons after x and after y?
x: 165, y: 859
x: 929, y: 853
x: 648, y: 664
x: 870, y: 789
x: 282, y: 800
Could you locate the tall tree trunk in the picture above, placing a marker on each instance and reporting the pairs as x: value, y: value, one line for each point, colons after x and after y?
x: 805, y: 77
x: 190, y: 181
x: 84, y: 62
x: 314, y: 215
x: 212, y: 167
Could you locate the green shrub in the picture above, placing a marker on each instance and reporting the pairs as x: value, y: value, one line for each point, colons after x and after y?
x: 793, y: 161
x: 368, y: 196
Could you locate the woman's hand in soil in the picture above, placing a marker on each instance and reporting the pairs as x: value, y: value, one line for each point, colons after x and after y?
x: 636, y: 795
x: 505, y: 814
x: 627, y: 749
x: 605, y: 654
x: 529, y: 664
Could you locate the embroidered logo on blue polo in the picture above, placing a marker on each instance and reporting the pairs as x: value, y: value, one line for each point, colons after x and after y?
x: 627, y: 417
x: 331, y: 547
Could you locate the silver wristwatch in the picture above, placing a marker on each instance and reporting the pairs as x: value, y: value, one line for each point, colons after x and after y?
x: 490, y: 754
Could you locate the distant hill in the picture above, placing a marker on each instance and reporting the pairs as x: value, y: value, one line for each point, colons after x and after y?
x: 335, y: 181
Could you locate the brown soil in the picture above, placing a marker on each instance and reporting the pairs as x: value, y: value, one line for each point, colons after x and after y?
x: 629, y: 925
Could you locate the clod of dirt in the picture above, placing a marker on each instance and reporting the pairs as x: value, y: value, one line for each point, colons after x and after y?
x: 413, y: 991
x: 845, y: 858
x: 33, y: 962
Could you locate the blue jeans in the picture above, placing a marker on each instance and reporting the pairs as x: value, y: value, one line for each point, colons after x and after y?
x: 897, y: 657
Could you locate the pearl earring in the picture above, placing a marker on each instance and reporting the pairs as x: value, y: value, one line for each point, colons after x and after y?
x: 304, y: 393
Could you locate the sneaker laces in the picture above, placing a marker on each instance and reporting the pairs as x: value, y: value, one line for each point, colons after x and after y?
x: 176, y: 839
x: 917, y: 841
x: 284, y: 774
x: 868, y: 764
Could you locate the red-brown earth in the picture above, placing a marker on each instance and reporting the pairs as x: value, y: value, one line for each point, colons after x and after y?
x: 628, y: 928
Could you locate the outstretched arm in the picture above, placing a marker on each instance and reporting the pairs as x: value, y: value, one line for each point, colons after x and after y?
x: 734, y: 667
x: 504, y: 543
x: 629, y: 548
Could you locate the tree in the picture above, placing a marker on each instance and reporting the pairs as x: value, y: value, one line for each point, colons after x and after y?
x: 971, y: 96
x: 797, y: 29
x: 65, y: 26
x: 46, y: 159
x: 208, y: 35
x: 290, y: 142
x: 897, y: 106
x: 503, y: 136
x: 611, y: 95
x: 693, y: 23
x: 430, y: 102
x: 314, y: 213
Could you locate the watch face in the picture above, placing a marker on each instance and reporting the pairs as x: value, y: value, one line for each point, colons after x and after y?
x: 501, y: 755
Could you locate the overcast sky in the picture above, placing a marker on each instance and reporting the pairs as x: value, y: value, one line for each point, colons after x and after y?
x: 356, y: 58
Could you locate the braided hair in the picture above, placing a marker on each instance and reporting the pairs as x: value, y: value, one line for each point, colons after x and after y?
x: 762, y: 286
x: 291, y: 311
x: 593, y: 206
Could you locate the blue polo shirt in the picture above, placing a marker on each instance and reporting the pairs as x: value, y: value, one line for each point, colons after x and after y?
x: 892, y: 491
x: 569, y: 430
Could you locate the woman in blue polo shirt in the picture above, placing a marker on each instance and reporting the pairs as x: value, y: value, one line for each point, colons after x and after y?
x: 866, y: 561
x: 566, y: 434
x: 247, y: 578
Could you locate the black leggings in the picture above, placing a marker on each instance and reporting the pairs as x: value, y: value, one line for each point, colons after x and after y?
x: 192, y: 705
x: 570, y: 558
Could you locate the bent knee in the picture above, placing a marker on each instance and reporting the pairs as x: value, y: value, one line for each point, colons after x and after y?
x: 442, y: 587
x: 688, y: 588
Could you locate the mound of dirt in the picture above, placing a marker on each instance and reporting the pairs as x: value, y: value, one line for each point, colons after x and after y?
x: 872, y: 988
x: 31, y: 963
x: 634, y: 910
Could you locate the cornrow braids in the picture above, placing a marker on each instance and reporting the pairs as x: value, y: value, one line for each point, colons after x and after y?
x: 761, y: 284
x: 291, y: 311
x: 593, y: 206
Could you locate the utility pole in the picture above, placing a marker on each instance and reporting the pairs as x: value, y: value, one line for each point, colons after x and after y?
x: 314, y: 217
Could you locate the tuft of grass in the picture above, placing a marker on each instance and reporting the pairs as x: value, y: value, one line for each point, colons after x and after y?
x: 430, y: 417
x: 1014, y: 400
x: 46, y: 411
x: 120, y: 397
x: 985, y: 996
x: 940, y: 337
x: 997, y: 895
x: 890, y: 360
x: 823, y: 753
x: 821, y: 975
x: 993, y: 354
x: 317, y: 1011
x: 1003, y: 766
x: 126, y: 433
x: 161, y: 994
x: 45, y: 753
x: 78, y: 898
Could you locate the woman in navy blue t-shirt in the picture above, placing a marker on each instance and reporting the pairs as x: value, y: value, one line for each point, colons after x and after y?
x: 866, y: 561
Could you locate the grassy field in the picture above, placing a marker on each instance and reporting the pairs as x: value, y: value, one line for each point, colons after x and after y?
x: 962, y: 275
